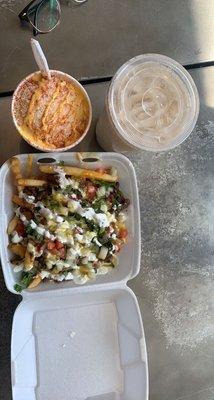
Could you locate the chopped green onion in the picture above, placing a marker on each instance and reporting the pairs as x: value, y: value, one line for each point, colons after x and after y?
x: 27, y: 278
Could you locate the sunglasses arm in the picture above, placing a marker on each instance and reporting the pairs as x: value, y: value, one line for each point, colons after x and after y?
x: 23, y: 15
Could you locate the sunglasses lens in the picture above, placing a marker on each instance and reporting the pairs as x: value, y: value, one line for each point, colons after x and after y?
x: 44, y: 15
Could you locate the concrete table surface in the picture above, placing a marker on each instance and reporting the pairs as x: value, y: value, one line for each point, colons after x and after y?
x: 177, y: 274
x: 94, y: 39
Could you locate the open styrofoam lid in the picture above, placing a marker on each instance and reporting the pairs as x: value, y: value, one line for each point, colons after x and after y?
x: 86, y: 345
x: 129, y: 257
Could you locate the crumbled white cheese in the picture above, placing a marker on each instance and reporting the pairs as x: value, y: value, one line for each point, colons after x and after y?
x: 74, y: 183
x: 22, y: 217
x: 80, y: 279
x: 73, y: 252
x: 44, y: 274
x: 33, y: 224
x: 73, y: 205
x: 59, y: 219
x: 62, y: 238
x: 33, y: 250
x: 114, y: 236
x: 111, y: 217
x: 104, y: 208
x: 102, y: 271
x: 29, y: 199
x: 92, y: 257
x: 63, y: 181
x: 18, y: 268
x: 16, y: 238
x: 60, y: 264
x: 69, y: 276
x: 75, y: 266
x: 40, y: 230
x: 88, y: 236
x: 49, y: 235
x: 70, y: 240
x: 102, y: 220
x: 49, y: 264
x: 46, y: 212
x: 96, y: 241
x: 50, y: 260
x: 58, y: 278
x: 79, y: 237
x: 88, y: 213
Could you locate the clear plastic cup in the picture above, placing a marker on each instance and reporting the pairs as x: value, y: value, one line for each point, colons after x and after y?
x: 152, y: 104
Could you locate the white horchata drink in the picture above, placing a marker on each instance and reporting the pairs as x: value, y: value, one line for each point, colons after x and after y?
x: 152, y: 104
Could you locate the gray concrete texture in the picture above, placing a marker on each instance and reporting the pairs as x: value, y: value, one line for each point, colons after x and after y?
x: 175, y: 284
x: 94, y: 39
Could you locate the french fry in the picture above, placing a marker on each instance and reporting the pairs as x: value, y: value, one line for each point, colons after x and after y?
x: 31, y: 182
x: 28, y: 261
x: 12, y: 224
x: 17, y: 249
x: 16, y: 170
x: 35, y: 282
x: 17, y: 200
x: 79, y: 157
x: 21, y: 202
x: 16, y: 167
x: 79, y: 173
x: 29, y: 165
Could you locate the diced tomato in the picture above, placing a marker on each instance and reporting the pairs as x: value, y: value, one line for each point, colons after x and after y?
x: 62, y: 252
x: 50, y: 245
x: 20, y: 228
x: 54, y: 251
x: 58, y: 244
x: 91, y: 191
x: 123, y: 233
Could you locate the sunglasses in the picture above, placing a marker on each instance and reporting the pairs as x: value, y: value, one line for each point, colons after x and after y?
x: 43, y: 15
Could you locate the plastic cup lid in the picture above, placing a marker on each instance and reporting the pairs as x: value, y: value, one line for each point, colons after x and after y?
x: 153, y: 102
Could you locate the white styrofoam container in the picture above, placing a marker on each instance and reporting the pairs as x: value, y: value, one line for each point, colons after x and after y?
x: 79, y: 342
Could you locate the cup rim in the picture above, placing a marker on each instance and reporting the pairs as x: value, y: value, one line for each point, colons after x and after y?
x: 181, y: 72
x: 44, y: 148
